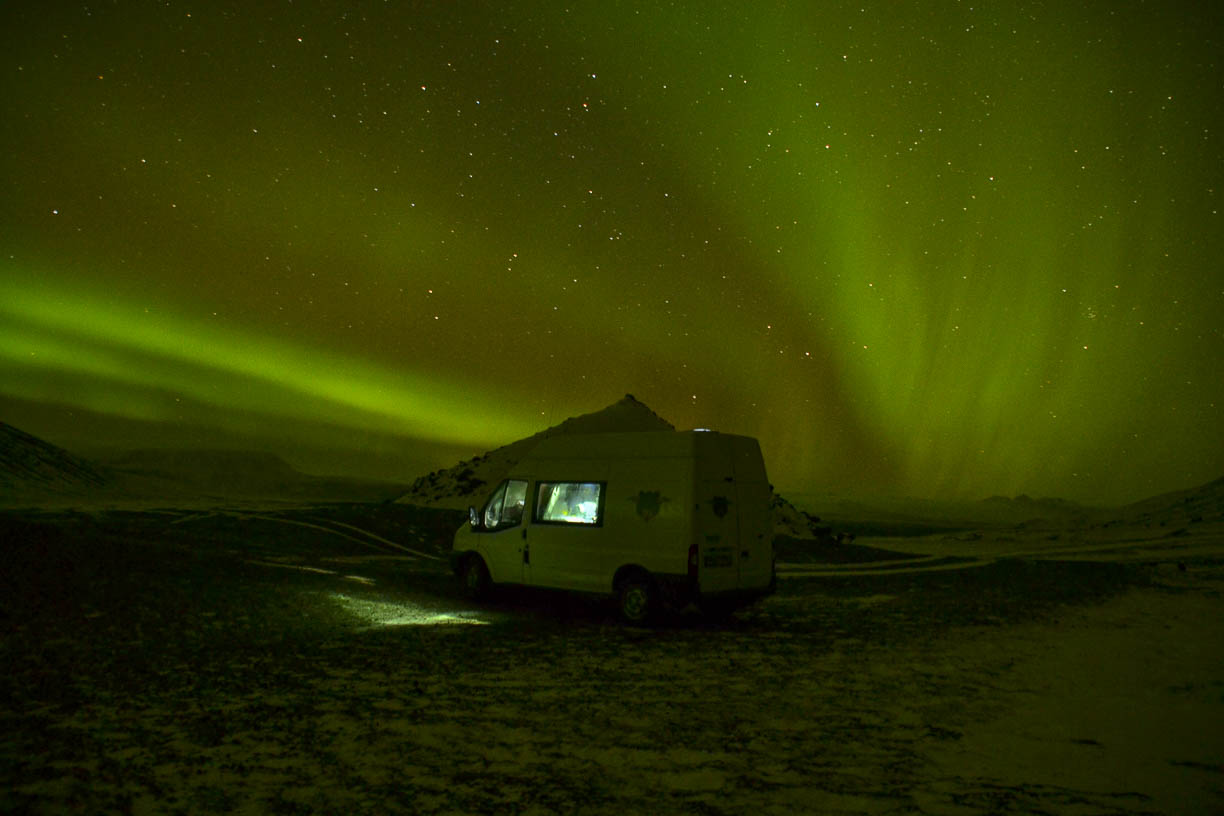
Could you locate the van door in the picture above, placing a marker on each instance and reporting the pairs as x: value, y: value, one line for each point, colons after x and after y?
x: 564, y: 535
x: 501, y: 532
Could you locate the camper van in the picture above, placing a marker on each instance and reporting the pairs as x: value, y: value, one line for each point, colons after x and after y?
x: 655, y: 519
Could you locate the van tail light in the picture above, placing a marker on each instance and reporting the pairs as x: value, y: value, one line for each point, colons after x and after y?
x: 692, y: 562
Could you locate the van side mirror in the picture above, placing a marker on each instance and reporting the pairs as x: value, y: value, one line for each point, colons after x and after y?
x: 473, y: 519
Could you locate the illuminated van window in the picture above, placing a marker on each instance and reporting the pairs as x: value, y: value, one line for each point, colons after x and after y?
x: 505, y: 506
x: 569, y: 502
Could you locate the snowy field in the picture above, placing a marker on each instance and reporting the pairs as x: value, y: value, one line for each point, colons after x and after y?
x: 320, y: 659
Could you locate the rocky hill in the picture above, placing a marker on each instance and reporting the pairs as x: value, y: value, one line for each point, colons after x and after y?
x: 1196, y: 505
x: 30, y: 465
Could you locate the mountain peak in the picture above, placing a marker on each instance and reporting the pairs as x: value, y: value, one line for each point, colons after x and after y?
x: 626, y: 414
x: 459, y: 485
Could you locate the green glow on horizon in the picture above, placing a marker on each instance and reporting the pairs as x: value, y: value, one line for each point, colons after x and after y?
x: 230, y: 369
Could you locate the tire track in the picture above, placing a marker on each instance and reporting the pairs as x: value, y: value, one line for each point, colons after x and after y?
x: 371, y: 540
x: 382, y: 540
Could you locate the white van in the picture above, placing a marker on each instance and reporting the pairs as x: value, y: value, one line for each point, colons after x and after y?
x: 656, y: 519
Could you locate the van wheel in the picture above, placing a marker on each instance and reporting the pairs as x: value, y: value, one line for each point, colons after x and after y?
x: 474, y: 577
x: 637, y: 600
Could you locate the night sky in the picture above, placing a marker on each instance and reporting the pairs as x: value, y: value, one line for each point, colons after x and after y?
x: 933, y: 249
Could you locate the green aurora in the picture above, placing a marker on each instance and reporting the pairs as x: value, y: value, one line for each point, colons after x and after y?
x: 932, y: 249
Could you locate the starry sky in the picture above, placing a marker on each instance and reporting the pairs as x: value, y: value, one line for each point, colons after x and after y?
x: 930, y: 249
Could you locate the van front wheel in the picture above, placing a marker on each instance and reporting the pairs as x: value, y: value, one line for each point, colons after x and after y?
x: 637, y: 600
x: 475, y: 577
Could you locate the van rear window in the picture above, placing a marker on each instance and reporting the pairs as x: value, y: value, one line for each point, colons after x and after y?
x: 569, y: 502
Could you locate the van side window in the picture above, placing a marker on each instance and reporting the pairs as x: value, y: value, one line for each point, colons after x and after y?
x: 505, y: 506
x: 569, y: 503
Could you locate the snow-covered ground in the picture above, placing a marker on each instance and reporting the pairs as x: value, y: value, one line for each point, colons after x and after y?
x: 321, y: 660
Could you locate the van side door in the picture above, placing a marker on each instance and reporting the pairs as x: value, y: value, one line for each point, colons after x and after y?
x: 565, y: 536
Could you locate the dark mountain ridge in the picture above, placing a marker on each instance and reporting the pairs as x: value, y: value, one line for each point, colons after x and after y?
x: 28, y: 463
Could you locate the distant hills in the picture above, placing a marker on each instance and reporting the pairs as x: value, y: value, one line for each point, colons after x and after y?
x: 1198, y: 504
x: 1204, y: 503
x: 36, y: 473
x: 903, y: 512
x: 234, y: 474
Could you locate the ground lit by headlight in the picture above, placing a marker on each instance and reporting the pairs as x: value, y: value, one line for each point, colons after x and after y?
x: 383, y: 613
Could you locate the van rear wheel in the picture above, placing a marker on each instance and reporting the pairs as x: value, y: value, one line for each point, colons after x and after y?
x: 637, y: 600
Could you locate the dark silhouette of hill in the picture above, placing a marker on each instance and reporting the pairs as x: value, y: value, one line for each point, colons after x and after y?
x: 1204, y: 503
x: 35, y: 473
x: 466, y: 482
x: 235, y: 474
x: 1024, y: 509
x: 31, y: 465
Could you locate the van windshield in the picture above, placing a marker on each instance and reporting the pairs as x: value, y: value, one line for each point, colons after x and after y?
x: 505, y: 506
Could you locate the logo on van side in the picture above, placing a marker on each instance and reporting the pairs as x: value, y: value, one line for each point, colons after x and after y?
x: 649, y: 503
